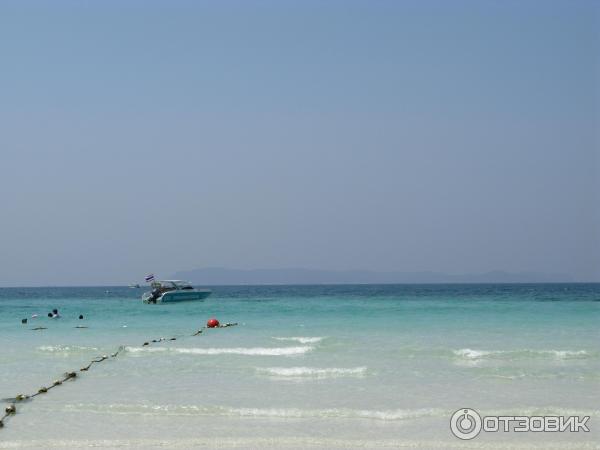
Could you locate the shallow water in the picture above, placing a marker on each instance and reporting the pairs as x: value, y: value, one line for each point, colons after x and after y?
x: 307, y: 366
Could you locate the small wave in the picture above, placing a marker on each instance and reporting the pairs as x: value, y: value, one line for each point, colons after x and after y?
x: 65, y: 348
x: 301, y: 339
x: 471, y: 354
x: 339, y: 413
x: 297, y: 413
x: 566, y: 354
x: 312, y: 372
x: 542, y: 411
x: 544, y: 376
x: 252, y: 351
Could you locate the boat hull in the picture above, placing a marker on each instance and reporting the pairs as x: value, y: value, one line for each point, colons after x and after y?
x: 179, y: 296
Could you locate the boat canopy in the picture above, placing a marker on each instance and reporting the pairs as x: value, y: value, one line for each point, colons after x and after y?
x: 173, y: 284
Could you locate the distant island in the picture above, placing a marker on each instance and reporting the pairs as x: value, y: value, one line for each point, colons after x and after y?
x: 223, y: 276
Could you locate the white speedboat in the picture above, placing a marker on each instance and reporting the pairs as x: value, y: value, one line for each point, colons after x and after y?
x: 170, y: 291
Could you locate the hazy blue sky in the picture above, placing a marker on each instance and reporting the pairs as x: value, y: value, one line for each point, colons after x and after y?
x: 142, y: 137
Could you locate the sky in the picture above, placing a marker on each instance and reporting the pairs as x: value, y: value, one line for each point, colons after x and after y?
x: 457, y: 137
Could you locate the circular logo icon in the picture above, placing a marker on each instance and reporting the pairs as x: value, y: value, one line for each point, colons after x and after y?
x: 465, y: 423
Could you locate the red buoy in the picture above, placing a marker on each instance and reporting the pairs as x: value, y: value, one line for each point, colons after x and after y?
x: 212, y: 323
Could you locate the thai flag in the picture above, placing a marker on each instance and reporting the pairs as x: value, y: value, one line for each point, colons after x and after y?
x: 149, y: 278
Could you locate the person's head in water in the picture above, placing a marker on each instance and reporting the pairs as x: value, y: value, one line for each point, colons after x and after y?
x: 55, y: 311
x: 80, y: 316
x: 23, y: 320
x: 49, y: 314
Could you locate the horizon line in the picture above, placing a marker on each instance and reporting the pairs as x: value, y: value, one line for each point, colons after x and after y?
x: 312, y: 284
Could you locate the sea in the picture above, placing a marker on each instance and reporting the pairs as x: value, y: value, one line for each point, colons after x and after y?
x: 340, y: 366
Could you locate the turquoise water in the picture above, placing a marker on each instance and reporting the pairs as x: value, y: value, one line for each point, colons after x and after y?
x: 307, y: 366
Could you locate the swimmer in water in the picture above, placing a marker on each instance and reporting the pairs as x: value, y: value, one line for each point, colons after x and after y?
x: 80, y: 318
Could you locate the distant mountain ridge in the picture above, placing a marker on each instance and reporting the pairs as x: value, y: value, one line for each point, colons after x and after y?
x: 223, y: 276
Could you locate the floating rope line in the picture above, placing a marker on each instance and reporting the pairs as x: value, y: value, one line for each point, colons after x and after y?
x: 11, y: 410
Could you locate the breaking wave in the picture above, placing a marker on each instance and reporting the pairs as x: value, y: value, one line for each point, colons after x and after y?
x: 193, y: 410
x: 65, y: 349
x: 251, y: 351
x: 301, y: 339
x: 470, y: 354
x: 312, y: 372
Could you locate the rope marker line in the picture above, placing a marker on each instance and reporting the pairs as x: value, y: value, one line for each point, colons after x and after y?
x: 11, y: 410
